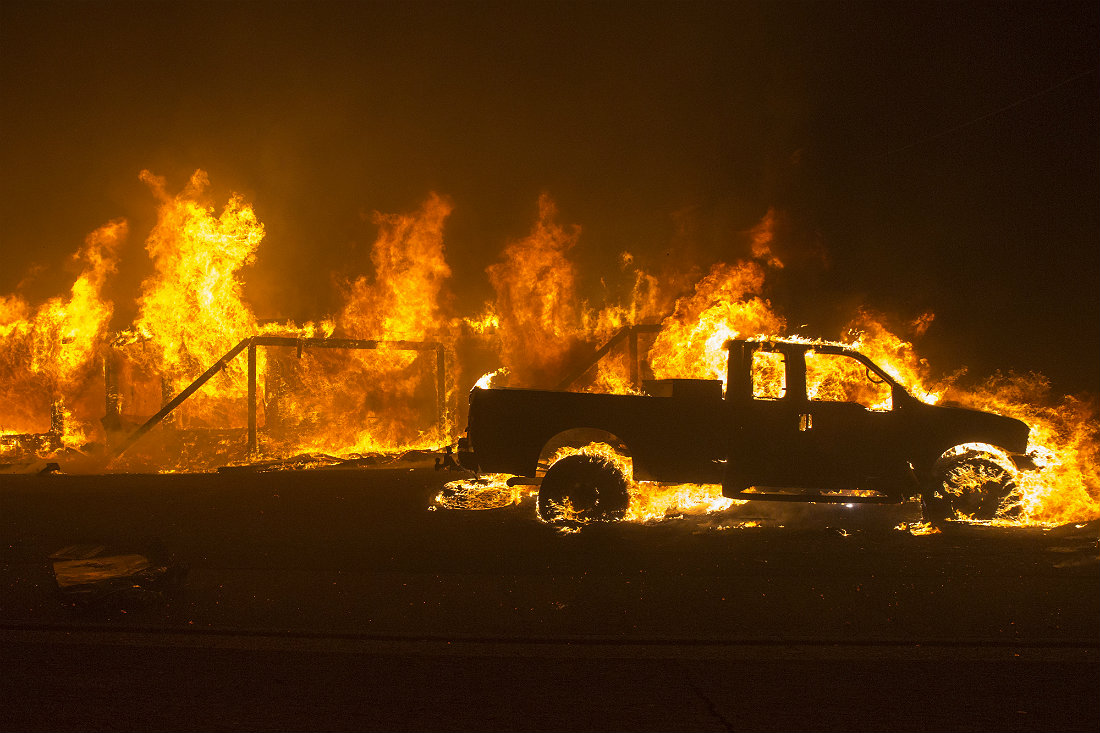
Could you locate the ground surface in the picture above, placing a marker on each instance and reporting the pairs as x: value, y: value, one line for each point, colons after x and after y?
x: 337, y: 600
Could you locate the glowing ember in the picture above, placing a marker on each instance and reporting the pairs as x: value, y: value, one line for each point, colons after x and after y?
x: 490, y: 491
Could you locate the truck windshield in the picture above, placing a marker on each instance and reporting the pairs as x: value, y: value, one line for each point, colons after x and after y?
x: 842, y: 378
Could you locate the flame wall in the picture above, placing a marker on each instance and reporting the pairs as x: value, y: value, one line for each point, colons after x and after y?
x: 192, y: 310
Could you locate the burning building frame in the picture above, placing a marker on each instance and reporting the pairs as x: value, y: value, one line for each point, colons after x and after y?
x: 251, y: 345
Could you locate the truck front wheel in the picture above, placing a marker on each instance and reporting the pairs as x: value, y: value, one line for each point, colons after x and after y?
x: 970, y: 486
x: 580, y: 488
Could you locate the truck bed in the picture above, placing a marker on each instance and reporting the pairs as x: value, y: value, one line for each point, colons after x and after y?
x: 670, y: 438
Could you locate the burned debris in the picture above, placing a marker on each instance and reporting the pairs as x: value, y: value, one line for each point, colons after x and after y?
x: 92, y: 578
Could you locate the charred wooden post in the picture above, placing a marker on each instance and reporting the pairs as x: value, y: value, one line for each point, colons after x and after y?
x: 252, y: 440
x: 57, y: 417
x: 57, y: 425
x: 112, y: 418
x: 441, y: 386
x: 275, y: 386
x: 632, y: 345
x: 165, y: 399
x: 637, y: 356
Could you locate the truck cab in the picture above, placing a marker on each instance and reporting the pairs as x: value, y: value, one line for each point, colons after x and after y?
x: 822, y: 416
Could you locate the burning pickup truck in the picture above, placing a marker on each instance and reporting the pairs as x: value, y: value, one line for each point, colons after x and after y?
x: 798, y: 421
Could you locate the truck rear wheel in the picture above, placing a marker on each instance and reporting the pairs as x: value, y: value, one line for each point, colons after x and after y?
x: 970, y: 486
x: 580, y: 488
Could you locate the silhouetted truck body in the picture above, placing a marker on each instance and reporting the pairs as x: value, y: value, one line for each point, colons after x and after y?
x: 798, y: 422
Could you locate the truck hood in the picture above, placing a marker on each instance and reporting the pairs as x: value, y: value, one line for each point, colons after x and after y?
x: 958, y: 425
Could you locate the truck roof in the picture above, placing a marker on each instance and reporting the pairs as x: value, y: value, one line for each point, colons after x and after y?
x: 795, y: 341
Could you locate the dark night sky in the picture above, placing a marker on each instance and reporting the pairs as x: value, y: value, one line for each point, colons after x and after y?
x: 943, y: 156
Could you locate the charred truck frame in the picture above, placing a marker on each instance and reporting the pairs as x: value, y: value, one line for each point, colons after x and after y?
x: 798, y: 421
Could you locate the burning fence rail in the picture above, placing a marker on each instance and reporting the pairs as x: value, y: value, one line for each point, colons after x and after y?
x: 252, y: 344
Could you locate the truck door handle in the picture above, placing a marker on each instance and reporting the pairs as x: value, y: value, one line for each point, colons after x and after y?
x: 805, y: 422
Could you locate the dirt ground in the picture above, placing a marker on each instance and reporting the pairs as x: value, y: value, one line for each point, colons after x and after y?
x: 345, y: 600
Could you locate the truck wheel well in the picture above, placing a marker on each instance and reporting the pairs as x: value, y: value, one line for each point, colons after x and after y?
x: 984, y: 450
x: 577, y: 438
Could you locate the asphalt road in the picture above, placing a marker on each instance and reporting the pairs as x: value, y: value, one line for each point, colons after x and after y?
x: 338, y: 600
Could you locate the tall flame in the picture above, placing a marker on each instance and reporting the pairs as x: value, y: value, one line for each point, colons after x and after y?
x: 192, y: 310
x: 726, y: 304
x: 536, y: 299
x: 386, y: 398
x: 51, y: 356
x: 410, y: 273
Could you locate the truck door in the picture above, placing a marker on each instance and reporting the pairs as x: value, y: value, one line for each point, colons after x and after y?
x: 806, y: 419
x: 848, y: 425
x: 765, y: 393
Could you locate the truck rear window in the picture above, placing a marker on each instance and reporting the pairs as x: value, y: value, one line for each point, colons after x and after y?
x: 769, y: 375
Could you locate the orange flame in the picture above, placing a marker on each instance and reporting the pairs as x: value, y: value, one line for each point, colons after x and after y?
x: 1065, y: 434
x: 648, y: 303
x: 897, y: 357
x: 192, y: 310
x: 378, y: 399
x: 50, y: 357
x: 410, y: 273
x: 726, y: 304
x: 763, y: 234
x: 535, y: 299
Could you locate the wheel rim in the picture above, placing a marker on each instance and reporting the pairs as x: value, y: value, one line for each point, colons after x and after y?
x: 579, y: 489
x: 975, y: 488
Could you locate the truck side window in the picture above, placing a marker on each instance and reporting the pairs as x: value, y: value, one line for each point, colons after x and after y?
x: 769, y: 375
x: 842, y: 378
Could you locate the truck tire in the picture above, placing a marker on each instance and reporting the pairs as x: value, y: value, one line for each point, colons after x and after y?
x: 970, y: 486
x: 579, y: 489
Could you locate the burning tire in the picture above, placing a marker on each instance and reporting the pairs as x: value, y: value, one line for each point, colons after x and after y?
x: 580, y: 488
x: 970, y: 485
